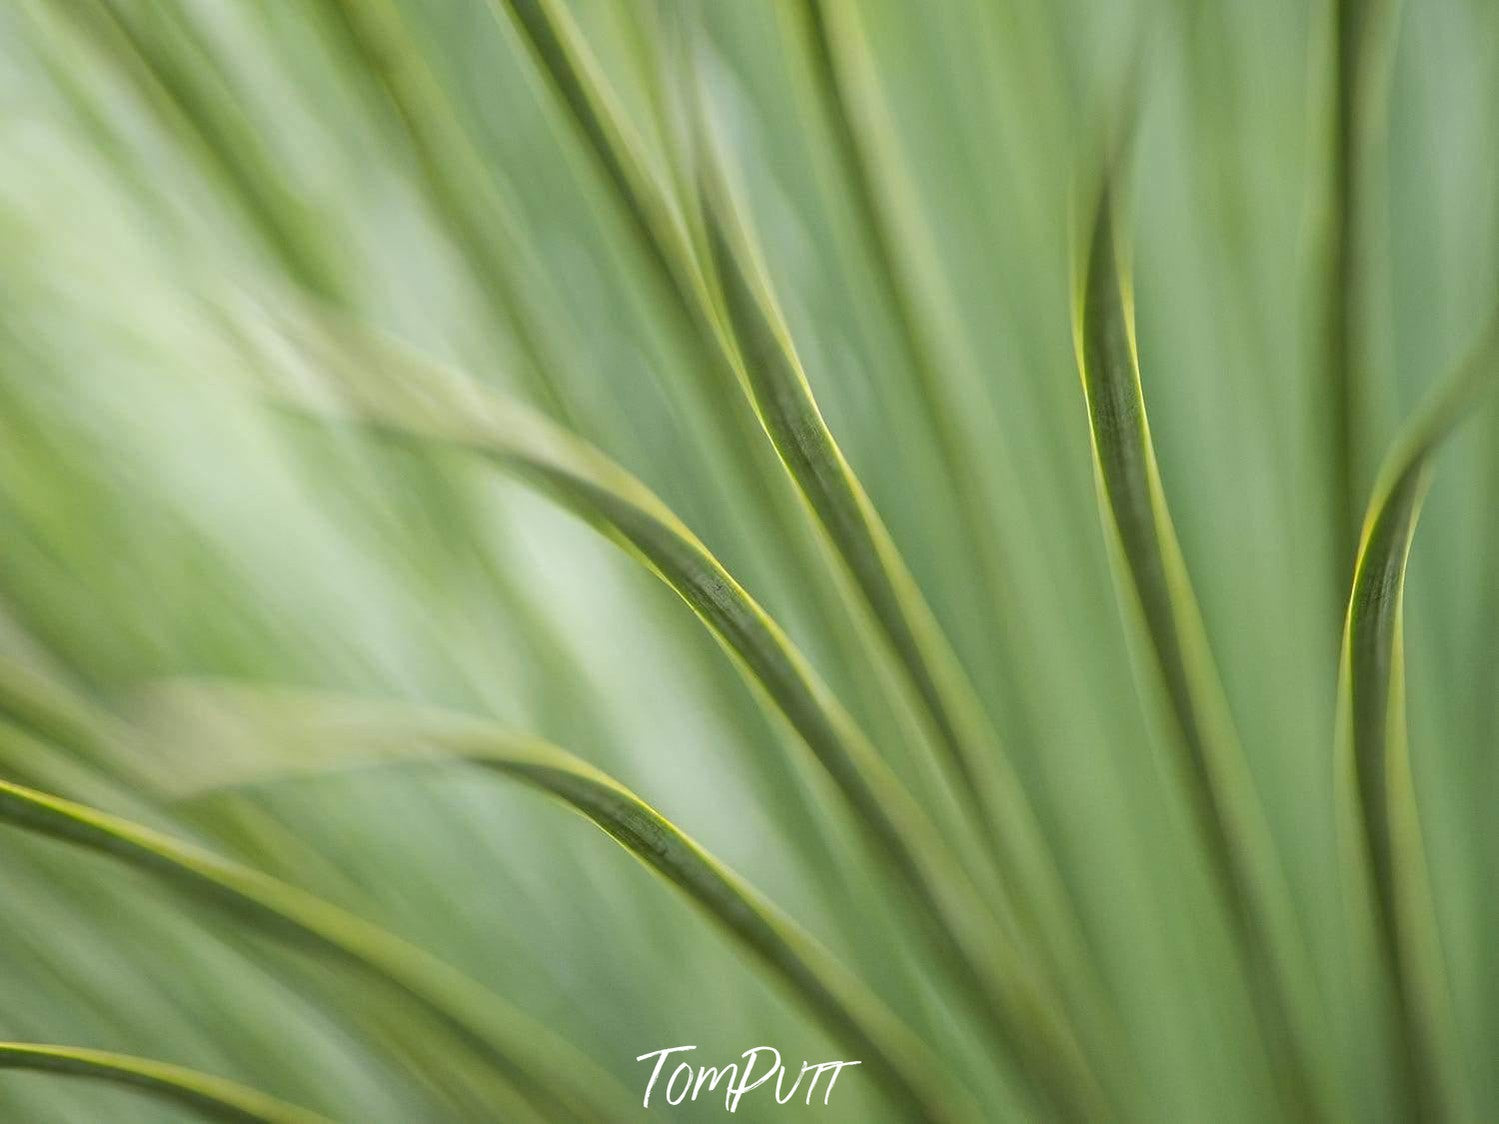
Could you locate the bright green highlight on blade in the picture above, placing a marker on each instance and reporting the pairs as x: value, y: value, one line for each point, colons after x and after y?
x: 1383, y: 842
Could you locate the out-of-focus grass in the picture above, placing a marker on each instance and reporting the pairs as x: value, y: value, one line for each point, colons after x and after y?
x: 779, y: 298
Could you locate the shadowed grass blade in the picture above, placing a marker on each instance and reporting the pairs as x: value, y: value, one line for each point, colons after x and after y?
x: 553, y: 1074
x: 1375, y: 784
x: 1152, y: 577
x: 428, y: 404
x: 339, y: 733
x: 212, y: 1097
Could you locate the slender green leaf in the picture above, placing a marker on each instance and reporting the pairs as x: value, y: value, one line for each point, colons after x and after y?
x: 758, y: 350
x: 552, y: 1073
x: 766, y: 362
x: 830, y: 46
x: 564, y: 58
x: 1376, y: 785
x: 320, y: 733
x: 1362, y: 42
x: 771, y: 374
x: 212, y: 1097
x: 1152, y: 577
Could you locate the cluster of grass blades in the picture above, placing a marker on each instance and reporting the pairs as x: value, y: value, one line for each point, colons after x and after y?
x: 370, y: 304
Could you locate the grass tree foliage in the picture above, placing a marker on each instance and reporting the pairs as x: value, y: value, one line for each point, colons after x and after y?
x: 533, y: 532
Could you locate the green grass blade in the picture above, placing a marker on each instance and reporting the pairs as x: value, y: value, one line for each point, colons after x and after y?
x: 773, y: 378
x: 782, y: 398
x: 660, y: 228
x: 565, y: 60
x: 1376, y: 786
x: 212, y: 1097
x: 1153, y: 579
x: 421, y: 403
x: 880, y: 220
x: 831, y: 44
x: 531, y: 1056
x: 340, y: 733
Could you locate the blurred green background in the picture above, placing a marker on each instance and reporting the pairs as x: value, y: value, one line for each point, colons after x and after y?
x: 176, y: 174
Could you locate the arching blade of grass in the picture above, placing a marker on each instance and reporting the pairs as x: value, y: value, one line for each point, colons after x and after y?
x: 828, y: 46
x: 421, y: 403
x: 1153, y: 579
x: 771, y: 373
x: 343, y: 733
x: 565, y: 60
x: 767, y: 368
x: 553, y: 1075
x: 1376, y: 786
x: 212, y: 1097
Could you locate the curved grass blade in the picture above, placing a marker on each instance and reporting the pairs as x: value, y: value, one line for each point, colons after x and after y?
x: 662, y: 232
x: 879, y: 221
x: 1152, y: 576
x: 213, y: 1098
x: 830, y: 43
x: 771, y: 374
x: 1376, y: 786
x: 426, y: 404
x: 1031, y: 890
x: 564, y: 59
x: 552, y: 1073
x: 344, y: 733
x: 768, y: 370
